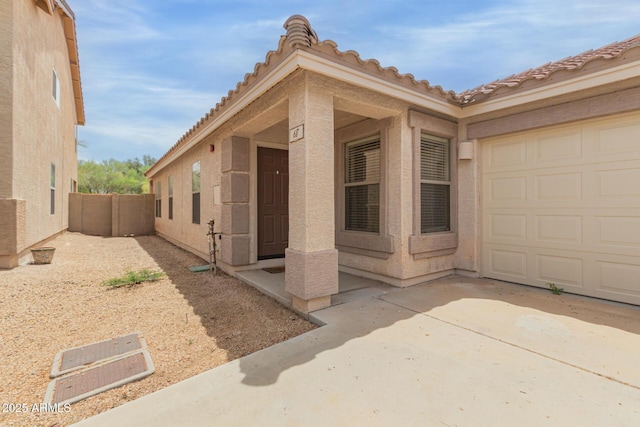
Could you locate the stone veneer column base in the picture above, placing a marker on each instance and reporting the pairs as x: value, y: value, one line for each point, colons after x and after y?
x: 311, y: 277
x: 307, y: 306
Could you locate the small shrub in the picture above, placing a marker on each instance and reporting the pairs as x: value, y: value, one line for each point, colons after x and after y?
x: 134, y: 278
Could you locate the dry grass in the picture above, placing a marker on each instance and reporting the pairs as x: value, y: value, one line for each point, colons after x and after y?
x: 191, y: 322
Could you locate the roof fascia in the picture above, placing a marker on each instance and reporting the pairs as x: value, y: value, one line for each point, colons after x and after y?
x: 69, y: 26
x: 576, y: 84
x: 335, y: 70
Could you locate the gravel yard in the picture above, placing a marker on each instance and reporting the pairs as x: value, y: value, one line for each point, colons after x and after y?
x: 191, y: 322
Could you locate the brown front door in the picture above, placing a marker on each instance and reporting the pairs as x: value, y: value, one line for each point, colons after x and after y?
x: 273, y: 202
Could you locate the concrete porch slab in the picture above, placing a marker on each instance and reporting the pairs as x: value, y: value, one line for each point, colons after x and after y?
x: 350, y: 287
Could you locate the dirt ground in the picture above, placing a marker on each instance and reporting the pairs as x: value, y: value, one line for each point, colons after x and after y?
x: 191, y: 322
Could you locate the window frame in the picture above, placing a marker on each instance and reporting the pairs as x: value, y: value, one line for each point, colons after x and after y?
x: 367, y: 183
x: 170, y: 194
x: 195, y: 192
x: 158, y: 192
x: 425, y: 137
x: 55, y: 87
x: 377, y: 245
x: 437, y: 243
x: 52, y: 189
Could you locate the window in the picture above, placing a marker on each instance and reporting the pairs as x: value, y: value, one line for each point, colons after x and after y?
x: 55, y: 88
x: 170, y: 197
x: 435, y: 184
x: 195, y: 190
x: 52, y: 187
x: 159, y: 200
x: 362, y: 185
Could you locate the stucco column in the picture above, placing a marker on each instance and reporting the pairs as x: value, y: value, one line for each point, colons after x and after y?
x: 235, y: 201
x: 311, y: 258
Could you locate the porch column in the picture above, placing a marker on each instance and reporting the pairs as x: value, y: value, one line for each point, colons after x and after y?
x: 235, y: 201
x: 311, y: 259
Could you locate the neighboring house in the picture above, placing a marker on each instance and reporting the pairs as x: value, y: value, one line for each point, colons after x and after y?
x: 322, y: 161
x: 40, y: 107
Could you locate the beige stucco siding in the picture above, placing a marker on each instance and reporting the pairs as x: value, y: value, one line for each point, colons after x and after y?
x: 6, y: 97
x: 41, y: 132
x: 180, y: 229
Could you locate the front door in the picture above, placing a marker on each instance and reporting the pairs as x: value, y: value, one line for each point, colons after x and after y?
x: 273, y: 202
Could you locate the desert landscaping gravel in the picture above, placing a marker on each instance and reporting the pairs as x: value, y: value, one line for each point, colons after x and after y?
x: 191, y: 322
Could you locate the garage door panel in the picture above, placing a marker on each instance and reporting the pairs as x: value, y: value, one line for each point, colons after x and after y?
x: 619, y: 231
x: 562, y: 205
x: 621, y: 278
x: 506, y: 155
x: 619, y: 183
x: 509, y: 226
x: 559, y: 229
x: 559, y: 270
x: 621, y: 139
x: 559, y: 146
x: 564, y: 187
x: 507, y: 264
x: 507, y: 190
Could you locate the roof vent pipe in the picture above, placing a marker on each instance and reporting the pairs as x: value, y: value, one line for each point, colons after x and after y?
x: 299, y: 32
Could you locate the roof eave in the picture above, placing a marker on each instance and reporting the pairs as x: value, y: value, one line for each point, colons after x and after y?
x: 69, y: 26
x: 576, y: 84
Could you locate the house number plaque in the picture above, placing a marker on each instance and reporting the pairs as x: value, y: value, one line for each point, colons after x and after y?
x: 296, y: 133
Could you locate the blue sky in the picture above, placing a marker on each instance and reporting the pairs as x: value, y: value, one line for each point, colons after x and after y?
x: 151, y: 68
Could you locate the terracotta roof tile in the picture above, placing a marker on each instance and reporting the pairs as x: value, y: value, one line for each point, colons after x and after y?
x: 610, y: 51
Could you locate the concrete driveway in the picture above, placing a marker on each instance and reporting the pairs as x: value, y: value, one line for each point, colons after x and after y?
x: 454, y: 352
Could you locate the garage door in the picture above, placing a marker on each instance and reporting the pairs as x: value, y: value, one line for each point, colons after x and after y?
x: 562, y: 205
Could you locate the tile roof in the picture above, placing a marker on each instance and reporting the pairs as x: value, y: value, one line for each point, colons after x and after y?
x: 300, y: 35
x: 610, y: 51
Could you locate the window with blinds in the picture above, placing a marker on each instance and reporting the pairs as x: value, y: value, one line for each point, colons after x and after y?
x: 195, y: 193
x: 52, y: 189
x: 362, y: 185
x: 435, y: 184
x: 159, y: 200
x: 170, y: 197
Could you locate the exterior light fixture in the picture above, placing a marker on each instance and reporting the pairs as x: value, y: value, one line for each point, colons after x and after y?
x: 465, y: 150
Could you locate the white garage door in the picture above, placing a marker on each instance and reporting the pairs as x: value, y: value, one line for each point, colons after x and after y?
x: 562, y: 205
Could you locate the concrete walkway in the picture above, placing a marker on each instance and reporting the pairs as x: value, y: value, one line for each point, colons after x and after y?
x: 455, y: 352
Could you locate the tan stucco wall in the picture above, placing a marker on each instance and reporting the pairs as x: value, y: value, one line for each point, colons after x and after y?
x: 180, y: 229
x: 6, y: 98
x: 41, y: 132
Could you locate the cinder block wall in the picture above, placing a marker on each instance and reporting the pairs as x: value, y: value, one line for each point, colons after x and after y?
x: 111, y: 214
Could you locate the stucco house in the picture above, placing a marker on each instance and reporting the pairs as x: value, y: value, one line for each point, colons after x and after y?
x: 40, y: 106
x: 322, y: 161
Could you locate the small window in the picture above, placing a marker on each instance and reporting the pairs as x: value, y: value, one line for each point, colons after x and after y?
x: 362, y: 185
x: 435, y: 184
x: 195, y: 190
x: 52, y: 188
x: 159, y: 200
x: 55, y: 88
x: 170, y: 197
